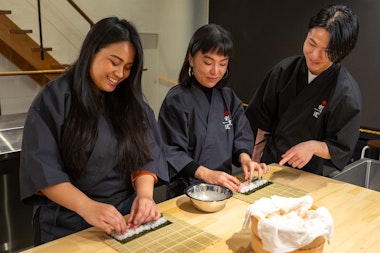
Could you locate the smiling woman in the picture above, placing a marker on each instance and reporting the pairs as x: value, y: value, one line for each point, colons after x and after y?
x: 111, y: 65
x: 91, y: 150
x: 203, y: 122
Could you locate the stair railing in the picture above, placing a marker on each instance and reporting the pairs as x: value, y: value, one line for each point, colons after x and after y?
x: 40, y: 28
x: 81, y: 12
x: 31, y: 72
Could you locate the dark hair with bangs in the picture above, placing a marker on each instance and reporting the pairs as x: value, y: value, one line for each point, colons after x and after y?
x: 343, y: 26
x: 210, y: 38
x: 124, y: 108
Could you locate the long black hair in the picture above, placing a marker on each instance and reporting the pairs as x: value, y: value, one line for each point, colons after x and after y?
x: 343, y: 26
x: 208, y: 38
x: 123, y: 108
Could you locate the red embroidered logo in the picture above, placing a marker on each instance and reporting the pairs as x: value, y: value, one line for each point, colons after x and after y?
x: 227, y: 120
x: 318, y: 110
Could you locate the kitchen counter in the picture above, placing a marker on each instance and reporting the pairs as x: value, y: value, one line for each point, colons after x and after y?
x: 11, y: 127
x: 15, y: 217
x: 355, y: 210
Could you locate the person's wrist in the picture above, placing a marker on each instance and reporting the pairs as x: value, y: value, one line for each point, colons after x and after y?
x: 201, y: 173
x: 144, y: 186
x: 244, y: 157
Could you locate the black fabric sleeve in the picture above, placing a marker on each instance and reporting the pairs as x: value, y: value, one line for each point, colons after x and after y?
x: 190, y: 168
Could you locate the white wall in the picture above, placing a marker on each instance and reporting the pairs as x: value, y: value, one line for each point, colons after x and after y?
x: 16, y: 92
x: 178, y: 21
x: 171, y: 22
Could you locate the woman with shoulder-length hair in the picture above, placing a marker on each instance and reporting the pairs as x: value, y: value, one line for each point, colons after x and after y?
x: 91, y: 149
x: 202, y: 121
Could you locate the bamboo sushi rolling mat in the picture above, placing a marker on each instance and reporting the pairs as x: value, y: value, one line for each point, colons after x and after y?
x: 179, y: 236
x: 269, y: 190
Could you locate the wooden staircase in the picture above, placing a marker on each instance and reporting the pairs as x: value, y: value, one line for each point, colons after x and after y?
x: 17, y: 46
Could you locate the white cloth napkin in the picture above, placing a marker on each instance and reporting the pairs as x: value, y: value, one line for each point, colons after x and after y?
x: 291, y: 224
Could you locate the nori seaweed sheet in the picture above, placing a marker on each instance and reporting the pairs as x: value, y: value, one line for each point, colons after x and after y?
x: 167, y: 222
x: 257, y: 188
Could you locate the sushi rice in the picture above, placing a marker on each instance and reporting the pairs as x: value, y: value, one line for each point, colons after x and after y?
x: 254, y: 185
x: 140, y: 229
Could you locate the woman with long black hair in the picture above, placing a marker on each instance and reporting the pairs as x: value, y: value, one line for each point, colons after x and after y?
x: 91, y: 149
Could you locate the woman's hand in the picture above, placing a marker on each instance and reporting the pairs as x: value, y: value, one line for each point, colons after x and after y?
x: 143, y: 209
x: 100, y: 215
x: 249, y: 167
x: 217, y: 177
x: 104, y: 216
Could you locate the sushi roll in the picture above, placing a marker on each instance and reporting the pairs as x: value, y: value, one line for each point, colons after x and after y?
x: 254, y: 185
x: 141, y: 230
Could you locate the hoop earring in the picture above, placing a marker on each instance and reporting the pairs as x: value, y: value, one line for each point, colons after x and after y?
x: 190, y: 71
x: 225, y: 75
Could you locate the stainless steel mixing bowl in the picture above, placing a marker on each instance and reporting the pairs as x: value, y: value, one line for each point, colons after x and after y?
x: 208, y: 197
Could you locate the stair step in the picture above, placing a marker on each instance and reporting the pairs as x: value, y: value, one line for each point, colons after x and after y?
x: 59, y: 66
x: 5, y: 12
x: 19, y: 31
x: 45, y: 49
x: 24, y: 52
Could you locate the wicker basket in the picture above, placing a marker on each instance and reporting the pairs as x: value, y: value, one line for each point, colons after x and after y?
x: 315, y: 246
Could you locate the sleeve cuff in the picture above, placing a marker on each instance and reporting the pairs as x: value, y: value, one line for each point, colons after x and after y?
x: 139, y: 173
x: 190, y: 168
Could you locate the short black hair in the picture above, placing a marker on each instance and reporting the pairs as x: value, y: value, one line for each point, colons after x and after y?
x: 208, y: 38
x: 343, y: 26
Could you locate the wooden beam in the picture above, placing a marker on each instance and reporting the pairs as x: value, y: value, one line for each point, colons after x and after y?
x: 31, y: 72
x: 45, y: 49
x: 18, y: 49
x: 19, y: 31
x: 59, y: 66
x: 5, y: 12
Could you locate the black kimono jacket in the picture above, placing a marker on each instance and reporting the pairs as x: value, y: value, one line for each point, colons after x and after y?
x: 327, y: 109
x: 42, y: 166
x: 211, y: 134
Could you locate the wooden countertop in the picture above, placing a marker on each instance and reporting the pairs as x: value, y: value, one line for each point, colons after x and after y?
x: 355, y: 210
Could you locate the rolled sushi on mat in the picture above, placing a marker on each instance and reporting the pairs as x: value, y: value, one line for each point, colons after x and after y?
x: 141, y: 230
x: 256, y: 184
